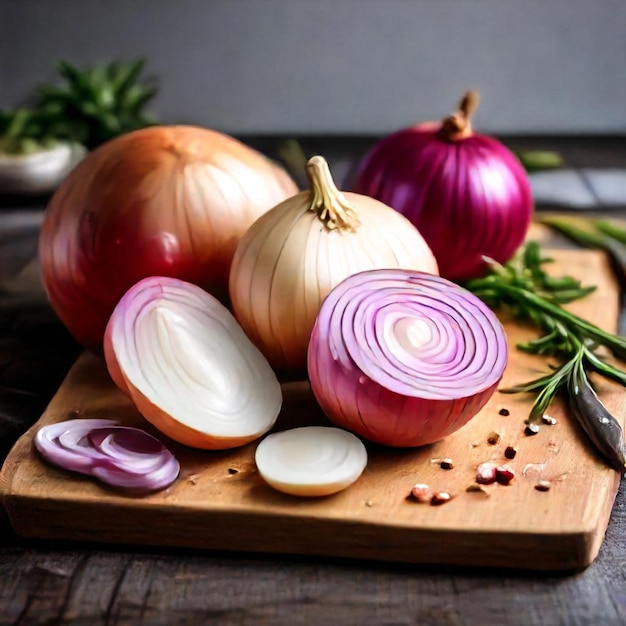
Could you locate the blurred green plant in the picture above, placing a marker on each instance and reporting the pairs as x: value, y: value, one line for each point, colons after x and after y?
x: 24, y: 131
x: 88, y: 107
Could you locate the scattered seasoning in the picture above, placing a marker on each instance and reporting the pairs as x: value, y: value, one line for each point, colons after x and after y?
x: 369, y: 503
x: 493, y: 438
x: 232, y: 470
x: 477, y: 488
x: 510, y: 452
x: 550, y: 421
x: 74, y: 412
x: 504, y: 412
x: 475, y: 445
x: 447, y: 464
x: 543, y: 485
x: 441, y: 497
x: 486, y: 474
x: 531, y: 429
x: 504, y: 475
x: 422, y: 493
x: 193, y: 479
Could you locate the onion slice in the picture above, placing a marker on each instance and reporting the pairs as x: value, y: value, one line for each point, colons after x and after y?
x: 61, y: 443
x: 311, y: 461
x: 188, y: 366
x: 404, y: 358
x: 122, y: 456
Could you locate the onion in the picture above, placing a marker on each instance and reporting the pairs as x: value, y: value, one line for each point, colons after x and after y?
x: 467, y: 193
x: 121, y: 456
x: 404, y: 358
x: 292, y: 256
x: 311, y: 461
x: 189, y: 367
x: 165, y: 200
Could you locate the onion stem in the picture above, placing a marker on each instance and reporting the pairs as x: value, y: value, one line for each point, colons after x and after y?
x: 459, y: 124
x: 331, y: 206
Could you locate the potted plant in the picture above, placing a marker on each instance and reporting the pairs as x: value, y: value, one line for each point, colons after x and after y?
x: 41, y: 143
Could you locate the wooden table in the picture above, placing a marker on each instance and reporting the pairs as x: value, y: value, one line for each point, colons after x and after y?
x: 53, y: 583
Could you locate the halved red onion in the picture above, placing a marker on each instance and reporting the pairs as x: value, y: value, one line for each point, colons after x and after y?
x: 121, y: 456
x: 404, y: 358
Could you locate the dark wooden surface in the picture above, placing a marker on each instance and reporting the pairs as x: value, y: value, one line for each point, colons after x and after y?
x: 52, y: 583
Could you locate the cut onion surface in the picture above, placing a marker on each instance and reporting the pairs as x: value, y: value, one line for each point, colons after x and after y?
x: 311, y: 461
x: 188, y: 366
x: 404, y: 358
x: 121, y: 456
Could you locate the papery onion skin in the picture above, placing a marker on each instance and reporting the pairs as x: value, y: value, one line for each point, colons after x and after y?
x: 291, y: 258
x: 164, y: 200
x: 396, y: 395
x: 467, y: 193
x: 126, y: 360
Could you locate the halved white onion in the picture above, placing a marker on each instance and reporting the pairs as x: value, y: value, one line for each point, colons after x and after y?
x: 311, y: 461
x: 188, y: 366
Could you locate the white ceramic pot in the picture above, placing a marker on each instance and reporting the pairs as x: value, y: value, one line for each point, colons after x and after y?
x: 38, y: 172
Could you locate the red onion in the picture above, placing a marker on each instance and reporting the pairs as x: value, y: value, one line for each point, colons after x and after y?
x: 163, y: 200
x: 404, y: 358
x: 121, y: 456
x: 467, y: 193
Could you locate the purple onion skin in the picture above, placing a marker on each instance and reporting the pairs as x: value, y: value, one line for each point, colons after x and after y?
x: 468, y: 197
x: 369, y: 406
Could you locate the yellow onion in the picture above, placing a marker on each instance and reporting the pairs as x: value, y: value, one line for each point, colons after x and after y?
x: 292, y: 257
x: 161, y: 201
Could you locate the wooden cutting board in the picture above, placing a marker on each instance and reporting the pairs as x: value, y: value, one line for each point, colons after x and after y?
x: 220, y: 501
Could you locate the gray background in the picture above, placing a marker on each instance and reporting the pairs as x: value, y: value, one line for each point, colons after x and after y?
x: 340, y: 66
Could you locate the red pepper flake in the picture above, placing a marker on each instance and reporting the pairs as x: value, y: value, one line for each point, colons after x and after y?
x: 504, y: 412
x: 493, y: 438
x: 543, y: 485
x: 422, y: 493
x: 486, y: 474
x: 446, y: 464
x: 504, y: 475
x: 550, y: 421
x: 439, y: 498
x: 510, y: 452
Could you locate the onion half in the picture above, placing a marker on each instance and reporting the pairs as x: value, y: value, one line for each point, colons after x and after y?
x: 189, y: 367
x: 404, y: 358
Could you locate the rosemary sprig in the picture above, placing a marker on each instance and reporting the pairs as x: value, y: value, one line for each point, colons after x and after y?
x: 524, y: 289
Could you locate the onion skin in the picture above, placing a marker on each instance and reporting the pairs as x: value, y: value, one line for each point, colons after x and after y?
x: 467, y: 193
x: 160, y: 201
x: 291, y: 257
x: 368, y: 381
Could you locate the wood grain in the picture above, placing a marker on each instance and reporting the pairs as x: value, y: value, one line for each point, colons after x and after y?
x: 208, y: 507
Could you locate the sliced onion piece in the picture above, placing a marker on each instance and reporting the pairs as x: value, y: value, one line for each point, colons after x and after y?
x: 131, y: 458
x: 404, y: 358
x: 189, y: 367
x: 132, y: 449
x: 60, y: 443
x: 311, y: 461
x: 160, y: 478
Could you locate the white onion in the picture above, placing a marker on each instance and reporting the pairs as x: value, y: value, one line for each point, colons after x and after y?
x: 311, y: 461
x: 189, y: 367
